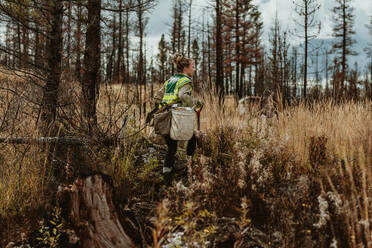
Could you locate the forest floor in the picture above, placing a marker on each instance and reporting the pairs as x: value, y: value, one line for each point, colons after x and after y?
x: 295, y: 178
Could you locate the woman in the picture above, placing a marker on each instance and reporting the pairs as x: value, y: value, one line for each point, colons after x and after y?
x: 178, y: 90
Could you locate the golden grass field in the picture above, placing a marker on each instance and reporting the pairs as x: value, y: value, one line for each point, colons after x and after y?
x: 347, y: 126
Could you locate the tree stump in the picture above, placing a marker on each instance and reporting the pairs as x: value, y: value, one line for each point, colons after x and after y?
x: 92, y: 213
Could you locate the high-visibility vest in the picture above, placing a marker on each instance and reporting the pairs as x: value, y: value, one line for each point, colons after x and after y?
x: 171, y: 88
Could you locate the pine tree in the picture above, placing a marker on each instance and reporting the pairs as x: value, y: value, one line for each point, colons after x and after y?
x: 278, y: 62
x: 257, y: 46
x: 242, y: 29
x: 92, y: 58
x: 119, y: 64
x: 368, y: 49
x: 189, y: 30
x: 219, y: 53
x: 177, y: 28
x: 111, y: 73
x: 46, y: 21
x: 51, y: 90
x: 203, y: 68
x: 78, y: 42
x: 309, y: 28
x: 343, y: 30
x: 7, y: 45
x: 353, y: 79
x: 69, y: 31
x: 294, y: 61
x: 127, y: 49
x: 274, y: 57
x: 195, y: 58
x: 162, y: 58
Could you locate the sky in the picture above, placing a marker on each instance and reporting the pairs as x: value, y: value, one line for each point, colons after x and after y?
x: 160, y: 19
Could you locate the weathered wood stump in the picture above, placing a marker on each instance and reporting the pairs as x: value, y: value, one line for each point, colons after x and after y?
x: 92, y: 213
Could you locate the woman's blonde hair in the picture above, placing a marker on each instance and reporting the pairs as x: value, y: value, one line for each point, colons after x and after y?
x: 180, y: 62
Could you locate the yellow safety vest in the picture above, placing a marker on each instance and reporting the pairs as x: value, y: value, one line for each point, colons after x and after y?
x: 171, y: 88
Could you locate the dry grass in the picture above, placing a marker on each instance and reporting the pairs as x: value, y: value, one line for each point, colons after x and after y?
x: 347, y: 127
x: 338, y: 135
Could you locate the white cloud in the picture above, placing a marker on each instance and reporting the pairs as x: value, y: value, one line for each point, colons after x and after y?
x: 286, y: 14
x: 161, y: 16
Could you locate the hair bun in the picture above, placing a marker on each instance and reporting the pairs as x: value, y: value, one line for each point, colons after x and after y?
x: 177, y: 58
x: 180, y: 62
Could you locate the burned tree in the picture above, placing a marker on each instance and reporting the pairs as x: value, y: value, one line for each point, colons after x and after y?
x: 309, y: 28
x: 342, y: 31
x: 92, y: 58
x: 46, y: 24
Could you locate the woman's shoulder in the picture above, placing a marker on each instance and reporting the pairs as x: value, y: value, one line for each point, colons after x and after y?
x: 179, y: 79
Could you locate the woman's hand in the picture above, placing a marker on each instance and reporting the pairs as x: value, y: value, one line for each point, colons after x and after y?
x: 199, y: 104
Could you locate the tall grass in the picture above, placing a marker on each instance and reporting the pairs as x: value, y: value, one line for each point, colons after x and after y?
x: 347, y: 127
x: 329, y: 144
x: 345, y: 170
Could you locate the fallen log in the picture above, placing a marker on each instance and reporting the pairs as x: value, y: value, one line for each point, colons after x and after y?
x: 69, y: 140
x: 91, y: 211
x: 44, y: 140
x: 60, y: 140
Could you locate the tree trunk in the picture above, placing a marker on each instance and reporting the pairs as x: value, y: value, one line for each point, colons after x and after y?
x: 14, y: 57
x: 92, y: 213
x: 306, y: 49
x: 25, y: 43
x: 203, y: 62
x: 219, y: 54
x: 189, y: 31
x: 127, y: 75
x: 174, y: 33
x: 343, y: 58
x: 50, y: 96
x: 7, y: 43
x: 37, y: 53
x: 127, y: 47
x: 120, y: 45
x: 179, y: 26
x: 68, y: 48
x: 114, y: 71
x: 78, y: 35
x: 19, y: 45
x: 111, y: 73
x: 91, y: 64
x: 238, y: 82
x: 209, y: 59
x: 141, y: 61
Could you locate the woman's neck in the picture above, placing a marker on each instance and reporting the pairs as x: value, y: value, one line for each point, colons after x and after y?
x: 185, y: 74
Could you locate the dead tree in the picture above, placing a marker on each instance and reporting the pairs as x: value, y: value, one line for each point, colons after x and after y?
x: 342, y: 31
x: 92, y: 65
x: 119, y: 65
x: 219, y: 53
x: 189, y: 31
x: 309, y: 26
x: 92, y: 213
x: 50, y: 70
x: 50, y: 95
x: 78, y: 42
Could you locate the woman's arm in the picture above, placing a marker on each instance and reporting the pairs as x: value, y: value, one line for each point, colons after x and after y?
x: 184, y: 93
x: 158, y: 97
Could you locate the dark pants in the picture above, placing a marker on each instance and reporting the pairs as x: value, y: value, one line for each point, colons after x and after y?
x: 172, y: 149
